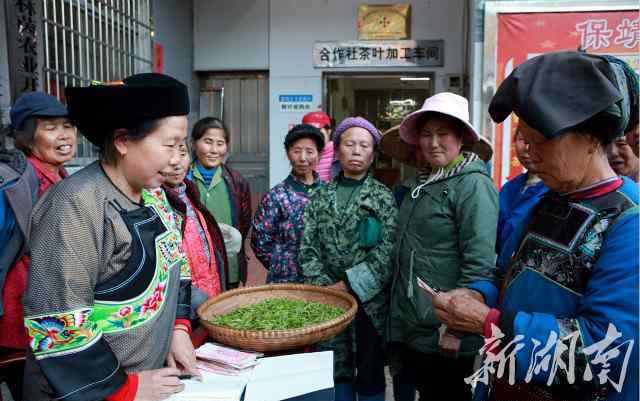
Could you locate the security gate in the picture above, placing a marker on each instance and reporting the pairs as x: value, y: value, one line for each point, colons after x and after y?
x: 87, y: 40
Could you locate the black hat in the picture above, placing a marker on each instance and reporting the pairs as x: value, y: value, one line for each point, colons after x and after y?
x: 557, y: 91
x: 35, y: 104
x: 304, y: 131
x: 99, y: 109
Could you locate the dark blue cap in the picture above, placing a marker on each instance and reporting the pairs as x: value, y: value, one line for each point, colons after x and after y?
x: 35, y: 104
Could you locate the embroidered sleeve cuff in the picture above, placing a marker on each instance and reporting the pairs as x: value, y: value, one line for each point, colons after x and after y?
x: 488, y: 291
x: 128, y: 390
x: 362, y: 281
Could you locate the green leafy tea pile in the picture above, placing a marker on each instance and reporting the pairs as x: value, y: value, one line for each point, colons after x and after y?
x: 278, y: 314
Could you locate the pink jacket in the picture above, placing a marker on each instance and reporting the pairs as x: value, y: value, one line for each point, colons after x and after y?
x: 324, y: 164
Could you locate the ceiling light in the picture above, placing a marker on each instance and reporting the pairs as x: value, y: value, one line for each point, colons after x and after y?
x: 415, y: 78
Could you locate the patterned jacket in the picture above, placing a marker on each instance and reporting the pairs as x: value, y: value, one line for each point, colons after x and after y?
x: 278, y: 226
x: 331, y: 251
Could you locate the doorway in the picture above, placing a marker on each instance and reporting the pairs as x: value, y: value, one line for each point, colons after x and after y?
x: 241, y: 100
x: 383, y: 99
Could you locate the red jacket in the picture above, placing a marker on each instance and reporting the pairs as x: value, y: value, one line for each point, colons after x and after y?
x: 12, y: 331
x: 212, y: 225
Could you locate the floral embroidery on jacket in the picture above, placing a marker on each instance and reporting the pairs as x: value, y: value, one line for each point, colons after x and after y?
x: 278, y: 226
x: 61, y: 332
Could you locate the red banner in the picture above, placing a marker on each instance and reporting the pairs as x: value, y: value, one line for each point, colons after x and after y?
x: 526, y: 35
x: 158, y: 57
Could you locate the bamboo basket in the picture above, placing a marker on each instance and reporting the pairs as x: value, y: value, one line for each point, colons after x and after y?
x: 276, y: 340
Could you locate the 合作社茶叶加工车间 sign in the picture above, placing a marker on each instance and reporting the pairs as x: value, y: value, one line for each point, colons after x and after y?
x: 388, y: 53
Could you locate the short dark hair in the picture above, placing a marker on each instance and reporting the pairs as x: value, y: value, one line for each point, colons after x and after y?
x: 205, y: 124
x: 108, y: 152
x: 23, y: 137
x: 302, y: 131
x: 461, y: 128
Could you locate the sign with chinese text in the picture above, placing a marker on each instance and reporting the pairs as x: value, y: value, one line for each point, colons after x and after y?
x: 522, y: 36
x: 295, y: 103
x: 384, y: 21
x: 24, y: 30
x: 606, y: 360
x: 391, y: 53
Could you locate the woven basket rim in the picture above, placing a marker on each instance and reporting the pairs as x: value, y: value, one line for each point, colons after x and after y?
x: 287, y: 333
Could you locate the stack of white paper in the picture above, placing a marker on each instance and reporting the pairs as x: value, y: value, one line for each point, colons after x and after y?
x: 271, y: 379
x: 213, y: 387
x: 282, y: 377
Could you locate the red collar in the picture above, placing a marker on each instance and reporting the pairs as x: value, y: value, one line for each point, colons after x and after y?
x: 46, y: 173
x: 596, y: 190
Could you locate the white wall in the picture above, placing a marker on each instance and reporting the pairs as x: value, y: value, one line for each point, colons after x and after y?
x: 173, y: 22
x: 233, y: 36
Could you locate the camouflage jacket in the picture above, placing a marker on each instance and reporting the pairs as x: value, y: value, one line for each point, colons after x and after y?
x: 330, y: 250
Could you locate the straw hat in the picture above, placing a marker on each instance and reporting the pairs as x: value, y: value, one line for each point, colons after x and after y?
x: 446, y: 103
x: 392, y: 145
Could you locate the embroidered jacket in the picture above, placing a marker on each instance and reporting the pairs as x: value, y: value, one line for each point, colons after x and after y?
x: 107, y: 281
x: 278, y: 226
x: 575, y: 276
x: 516, y: 204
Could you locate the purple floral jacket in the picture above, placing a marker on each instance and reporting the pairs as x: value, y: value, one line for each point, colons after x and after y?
x: 278, y: 226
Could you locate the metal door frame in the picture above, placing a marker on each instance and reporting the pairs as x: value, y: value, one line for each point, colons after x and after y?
x: 205, y: 78
x: 326, y: 75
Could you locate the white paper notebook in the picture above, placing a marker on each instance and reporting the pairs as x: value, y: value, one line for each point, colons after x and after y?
x: 213, y: 387
x: 281, y: 377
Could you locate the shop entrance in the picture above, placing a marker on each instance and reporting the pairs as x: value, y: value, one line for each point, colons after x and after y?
x: 383, y: 99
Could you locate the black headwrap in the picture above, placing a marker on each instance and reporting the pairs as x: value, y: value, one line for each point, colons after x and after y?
x: 99, y: 109
x: 628, y: 79
x: 557, y: 91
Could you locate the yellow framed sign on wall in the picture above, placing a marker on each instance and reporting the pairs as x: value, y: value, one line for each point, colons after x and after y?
x: 377, y: 22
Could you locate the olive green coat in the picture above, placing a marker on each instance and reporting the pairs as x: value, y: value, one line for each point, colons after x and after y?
x: 446, y: 236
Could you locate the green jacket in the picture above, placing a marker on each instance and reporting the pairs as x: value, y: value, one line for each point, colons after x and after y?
x: 331, y: 248
x: 446, y: 236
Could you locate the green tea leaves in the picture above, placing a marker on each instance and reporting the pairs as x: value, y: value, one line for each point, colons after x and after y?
x: 278, y: 314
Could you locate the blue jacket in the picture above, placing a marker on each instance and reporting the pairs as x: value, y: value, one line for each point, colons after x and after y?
x: 537, y: 303
x: 516, y: 204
